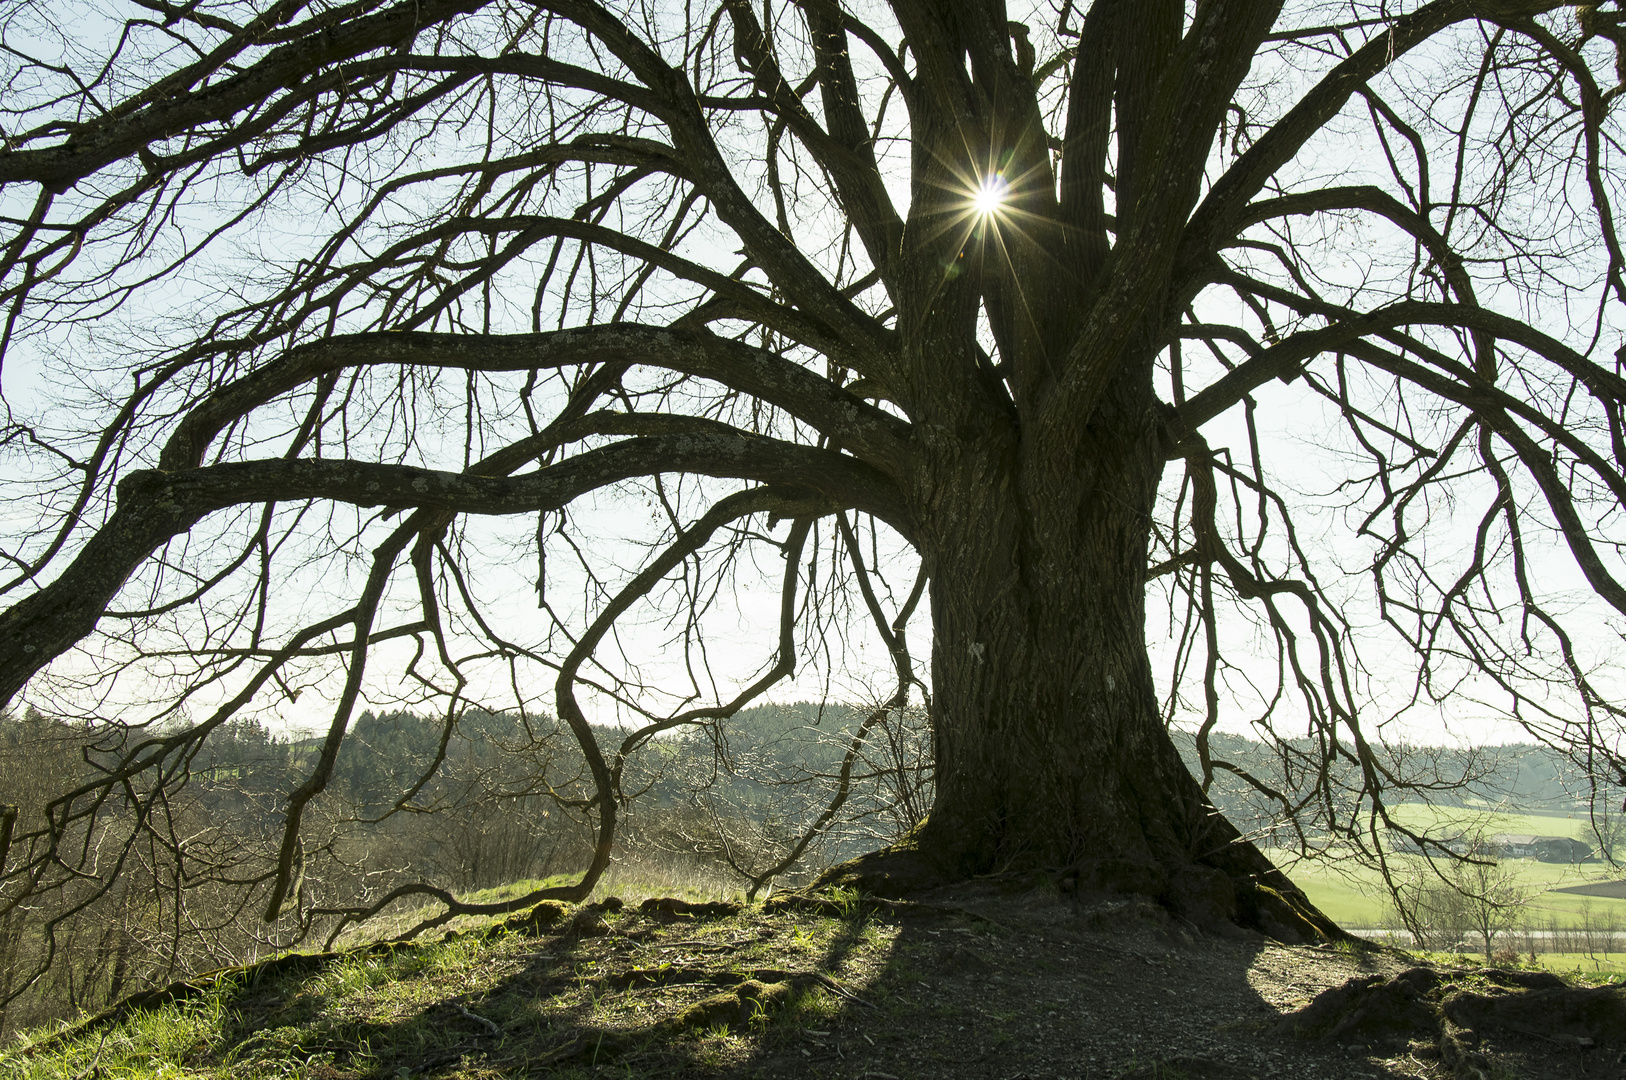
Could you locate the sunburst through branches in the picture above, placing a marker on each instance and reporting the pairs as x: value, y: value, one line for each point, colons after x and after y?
x: 988, y: 211
x: 991, y: 196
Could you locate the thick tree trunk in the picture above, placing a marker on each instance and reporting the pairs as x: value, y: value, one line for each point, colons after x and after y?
x: 1051, y: 753
x: 1035, y: 521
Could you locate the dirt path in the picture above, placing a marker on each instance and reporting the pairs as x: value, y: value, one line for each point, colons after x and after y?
x: 990, y: 987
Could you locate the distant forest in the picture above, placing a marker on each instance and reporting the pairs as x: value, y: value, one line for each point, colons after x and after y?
x: 1516, y: 778
x: 485, y: 801
x: 495, y: 798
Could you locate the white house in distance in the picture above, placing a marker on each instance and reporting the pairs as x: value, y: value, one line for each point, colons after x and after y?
x: 1553, y: 849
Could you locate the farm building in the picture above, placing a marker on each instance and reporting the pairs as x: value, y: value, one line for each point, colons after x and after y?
x: 1554, y: 849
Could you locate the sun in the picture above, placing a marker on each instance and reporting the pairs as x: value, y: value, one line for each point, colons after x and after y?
x: 990, y: 196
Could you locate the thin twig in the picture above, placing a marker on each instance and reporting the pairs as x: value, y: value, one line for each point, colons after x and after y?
x: 487, y: 1024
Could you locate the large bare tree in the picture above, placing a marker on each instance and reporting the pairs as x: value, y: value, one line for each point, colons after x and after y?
x: 313, y: 292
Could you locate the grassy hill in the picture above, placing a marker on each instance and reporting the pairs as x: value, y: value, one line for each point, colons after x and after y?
x: 985, y: 984
x: 489, y: 816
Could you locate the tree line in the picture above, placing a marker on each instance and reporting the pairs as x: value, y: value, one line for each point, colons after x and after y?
x: 490, y: 800
x: 415, y: 805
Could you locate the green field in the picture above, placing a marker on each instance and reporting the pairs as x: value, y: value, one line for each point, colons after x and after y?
x: 1420, y: 815
x: 1354, y: 895
x: 1579, y: 964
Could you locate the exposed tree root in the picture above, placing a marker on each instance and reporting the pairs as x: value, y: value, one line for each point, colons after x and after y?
x: 684, y: 975
x: 747, y: 1000
x: 541, y: 919
x: 891, y: 873
x: 737, y: 1007
x: 1244, y: 893
x: 1461, y: 1012
x: 672, y: 906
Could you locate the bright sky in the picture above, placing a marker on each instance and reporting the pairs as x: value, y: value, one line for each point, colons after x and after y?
x: 740, y: 629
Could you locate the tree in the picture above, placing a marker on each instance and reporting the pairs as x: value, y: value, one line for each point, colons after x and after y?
x: 1494, y: 897
x: 349, y: 294
x: 1480, y: 895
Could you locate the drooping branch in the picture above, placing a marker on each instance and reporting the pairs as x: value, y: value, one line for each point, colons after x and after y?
x: 893, y: 633
x: 155, y: 506
x: 364, y: 612
x: 875, y: 435
x: 176, y: 105
x: 607, y: 777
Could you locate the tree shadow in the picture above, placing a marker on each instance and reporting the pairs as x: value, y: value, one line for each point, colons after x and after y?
x: 1041, y: 985
x: 997, y: 987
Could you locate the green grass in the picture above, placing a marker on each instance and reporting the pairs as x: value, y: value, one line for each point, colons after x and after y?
x: 1587, y: 968
x: 1347, y: 895
x: 155, y: 1043
x: 1580, y: 964
x: 365, y: 1012
x: 481, y: 1005
x: 1354, y: 895
x: 1491, y: 820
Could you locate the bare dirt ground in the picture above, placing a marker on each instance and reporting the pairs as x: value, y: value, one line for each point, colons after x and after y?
x: 1024, y: 988
x: 974, y: 985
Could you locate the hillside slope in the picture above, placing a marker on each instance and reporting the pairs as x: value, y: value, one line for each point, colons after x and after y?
x: 985, y: 986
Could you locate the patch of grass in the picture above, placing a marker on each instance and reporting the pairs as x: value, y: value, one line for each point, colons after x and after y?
x: 811, y: 1008
x: 849, y: 901
x: 1580, y: 964
x: 478, y: 1006
x: 1491, y: 819
x: 1350, y: 896
x: 161, y: 1042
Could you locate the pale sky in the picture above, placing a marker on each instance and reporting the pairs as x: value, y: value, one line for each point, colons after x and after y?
x: 741, y: 633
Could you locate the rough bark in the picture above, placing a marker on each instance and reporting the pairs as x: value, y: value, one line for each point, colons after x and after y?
x: 1051, y: 753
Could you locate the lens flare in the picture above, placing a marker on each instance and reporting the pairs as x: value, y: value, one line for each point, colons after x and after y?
x: 991, y: 195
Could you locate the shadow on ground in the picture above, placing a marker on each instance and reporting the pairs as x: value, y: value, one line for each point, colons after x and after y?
x: 978, y: 985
